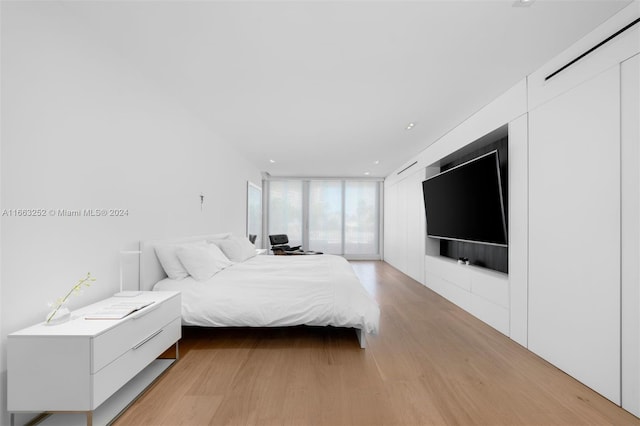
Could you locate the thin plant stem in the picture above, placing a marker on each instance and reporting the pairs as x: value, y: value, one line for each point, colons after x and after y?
x: 84, y: 281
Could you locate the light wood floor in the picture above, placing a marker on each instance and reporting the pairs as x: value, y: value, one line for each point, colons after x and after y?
x: 431, y: 364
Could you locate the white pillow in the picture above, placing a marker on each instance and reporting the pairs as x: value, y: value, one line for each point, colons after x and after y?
x: 237, y: 249
x: 169, y: 260
x: 203, y: 261
x: 221, y: 259
x: 215, y: 237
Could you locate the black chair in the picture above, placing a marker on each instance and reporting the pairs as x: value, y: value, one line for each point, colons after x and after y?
x: 280, y: 244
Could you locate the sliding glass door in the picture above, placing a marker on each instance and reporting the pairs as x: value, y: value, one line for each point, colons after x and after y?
x: 325, y: 216
x: 362, y: 218
x: 285, y: 210
x: 332, y: 216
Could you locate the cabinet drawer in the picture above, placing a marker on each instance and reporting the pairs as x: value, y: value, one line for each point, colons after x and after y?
x: 449, y: 270
x: 121, y: 338
x: 491, y: 287
x: 137, y: 357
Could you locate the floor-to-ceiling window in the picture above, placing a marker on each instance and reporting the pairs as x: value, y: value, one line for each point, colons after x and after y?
x: 325, y: 216
x: 332, y: 216
x: 285, y: 210
x: 361, y: 218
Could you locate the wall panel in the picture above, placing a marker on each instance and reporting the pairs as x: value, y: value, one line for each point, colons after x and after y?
x: 518, y: 229
x: 404, y: 225
x: 630, y: 155
x: 574, y: 233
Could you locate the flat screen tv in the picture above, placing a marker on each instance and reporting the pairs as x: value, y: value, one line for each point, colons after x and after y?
x: 465, y: 202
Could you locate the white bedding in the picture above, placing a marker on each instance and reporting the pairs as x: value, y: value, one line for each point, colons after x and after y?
x: 273, y: 291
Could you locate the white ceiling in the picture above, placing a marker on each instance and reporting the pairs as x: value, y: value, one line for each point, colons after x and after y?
x: 327, y: 88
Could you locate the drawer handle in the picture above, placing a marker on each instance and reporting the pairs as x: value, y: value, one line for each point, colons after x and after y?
x: 147, y: 339
x: 145, y: 311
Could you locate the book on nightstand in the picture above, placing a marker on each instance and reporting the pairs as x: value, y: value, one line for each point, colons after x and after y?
x: 118, y: 310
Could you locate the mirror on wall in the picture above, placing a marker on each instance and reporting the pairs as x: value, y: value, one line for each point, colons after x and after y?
x: 254, y: 212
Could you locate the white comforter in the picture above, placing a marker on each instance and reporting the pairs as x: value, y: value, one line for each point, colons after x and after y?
x: 273, y: 291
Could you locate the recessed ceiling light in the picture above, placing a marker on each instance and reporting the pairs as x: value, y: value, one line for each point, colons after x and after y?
x: 410, y: 126
x: 367, y: 173
x: 376, y: 162
x: 272, y: 161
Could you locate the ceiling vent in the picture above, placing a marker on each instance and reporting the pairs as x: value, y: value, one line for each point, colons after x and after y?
x: 608, y: 39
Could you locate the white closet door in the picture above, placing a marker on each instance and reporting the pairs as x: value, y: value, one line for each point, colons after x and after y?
x: 630, y: 154
x: 416, y: 231
x: 518, y: 210
x: 404, y: 232
x: 390, y: 224
x: 401, y: 226
x: 574, y: 233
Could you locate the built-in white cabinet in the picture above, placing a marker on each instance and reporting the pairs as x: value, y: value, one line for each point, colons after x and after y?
x: 401, y: 226
x: 404, y: 225
x: 574, y: 232
x: 415, y: 226
x: 391, y: 214
x: 630, y: 227
x: 584, y: 301
x: 572, y: 294
x: 518, y: 214
x: 482, y: 292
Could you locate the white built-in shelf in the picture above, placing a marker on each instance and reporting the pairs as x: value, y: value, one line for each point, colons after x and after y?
x: 482, y: 292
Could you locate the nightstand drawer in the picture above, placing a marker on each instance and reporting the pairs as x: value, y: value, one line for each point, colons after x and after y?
x: 138, y: 356
x: 131, y: 331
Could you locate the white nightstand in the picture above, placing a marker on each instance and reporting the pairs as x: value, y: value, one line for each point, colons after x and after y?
x: 76, y: 366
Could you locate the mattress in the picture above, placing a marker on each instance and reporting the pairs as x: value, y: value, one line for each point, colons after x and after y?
x: 276, y: 291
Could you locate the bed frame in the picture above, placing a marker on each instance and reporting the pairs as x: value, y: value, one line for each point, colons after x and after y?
x: 151, y: 270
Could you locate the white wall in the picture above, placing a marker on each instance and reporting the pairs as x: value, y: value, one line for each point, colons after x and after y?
x: 81, y: 129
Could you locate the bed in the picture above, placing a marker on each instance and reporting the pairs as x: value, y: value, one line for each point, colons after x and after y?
x: 267, y: 291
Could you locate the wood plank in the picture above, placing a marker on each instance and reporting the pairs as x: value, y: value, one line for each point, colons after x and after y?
x: 432, y: 363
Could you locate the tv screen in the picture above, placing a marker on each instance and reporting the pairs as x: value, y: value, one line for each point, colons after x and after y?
x: 465, y: 202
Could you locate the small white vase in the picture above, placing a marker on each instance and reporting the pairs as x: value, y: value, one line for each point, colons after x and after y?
x: 61, y: 315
